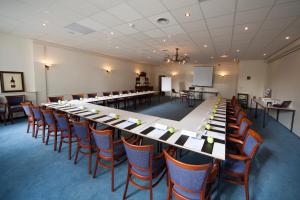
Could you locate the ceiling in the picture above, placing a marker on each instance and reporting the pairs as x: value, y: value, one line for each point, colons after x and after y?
x: 128, y: 28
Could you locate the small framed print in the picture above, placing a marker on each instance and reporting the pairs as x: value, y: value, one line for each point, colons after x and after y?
x: 12, y: 81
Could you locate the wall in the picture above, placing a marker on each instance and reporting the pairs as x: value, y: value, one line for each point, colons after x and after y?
x: 283, y: 79
x: 257, y: 70
x: 16, y: 54
x: 74, y: 71
x: 226, y: 85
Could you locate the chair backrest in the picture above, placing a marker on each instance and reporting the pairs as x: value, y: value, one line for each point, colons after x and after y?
x: 139, y: 157
x: 106, y: 93
x: 240, y: 116
x: 233, y: 101
x: 190, y: 178
x: 77, y: 96
x: 125, y: 92
x: 173, y: 90
x: 82, y: 131
x: 49, y: 117
x: 115, y: 92
x: 92, y: 95
x: 131, y: 91
x: 15, y: 100
x: 103, y: 140
x: 37, y: 113
x: 62, y: 122
x: 27, y: 108
x: 243, y: 127
x: 191, y: 88
x: 56, y: 99
x: 252, y: 142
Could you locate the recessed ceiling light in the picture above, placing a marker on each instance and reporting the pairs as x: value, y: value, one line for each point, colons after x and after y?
x: 164, y: 40
x: 224, y: 56
x: 205, y: 46
x: 112, y: 33
x: 212, y: 57
x: 287, y: 37
x: 246, y: 28
x: 162, y: 21
x: 238, y: 50
x: 117, y: 47
x: 154, y: 51
x: 264, y: 54
x: 131, y: 25
x: 44, y: 24
x: 187, y: 14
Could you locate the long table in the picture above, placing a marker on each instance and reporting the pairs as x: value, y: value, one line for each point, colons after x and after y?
x: 189, y: 132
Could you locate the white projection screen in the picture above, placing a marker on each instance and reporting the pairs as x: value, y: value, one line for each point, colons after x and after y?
x: 166, y: 84
x: 203, y: 76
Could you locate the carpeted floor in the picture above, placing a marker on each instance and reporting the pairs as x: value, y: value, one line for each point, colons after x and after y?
x: 31, y: 170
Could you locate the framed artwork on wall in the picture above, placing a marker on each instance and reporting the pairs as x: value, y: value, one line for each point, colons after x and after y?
x: 12, y: 81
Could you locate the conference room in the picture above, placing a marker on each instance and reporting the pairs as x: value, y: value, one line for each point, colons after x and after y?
x: 149, y: 99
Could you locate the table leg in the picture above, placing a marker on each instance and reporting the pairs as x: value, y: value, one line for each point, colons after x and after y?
x: 255, y: 115
x: 264, y: 118
x: 134, y: 99
x: 277, y: 115
x: 292, y: 124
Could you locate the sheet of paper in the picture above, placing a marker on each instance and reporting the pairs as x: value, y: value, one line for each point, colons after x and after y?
x: 215, y: 135
x: 217, y: 128
x: 219, y: 115
x: 160, y: 126
x: 194, y: 143
x: 156, y: 133
x: 133, y: 120
x: 125, y: 124
x: 104, y: 118
x: 219, y: 150
x: 189, y: 133
x: 212, y: 122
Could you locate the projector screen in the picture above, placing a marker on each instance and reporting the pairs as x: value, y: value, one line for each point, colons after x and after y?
x: 166, y: 84
x: 203, y: 76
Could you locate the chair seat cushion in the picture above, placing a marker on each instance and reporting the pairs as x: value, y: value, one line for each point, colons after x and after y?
x: 119, y: 150
x: 232, y: 165
x: 157, y: 167
x: 187, y: 195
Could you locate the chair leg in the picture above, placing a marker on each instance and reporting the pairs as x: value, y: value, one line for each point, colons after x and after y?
x: 90, y: 162
x: 55, y: 140
x: 60, y: 144
x: 70, y: 147
x: 37, y: 131
x: 48, y: 135
x: 96, y: 167
x: 76, y: 156
x: 28, y: 125
x: 43, y: 134
x: 246, y: 186
x: 151, y: 193
x: 33, y: 128
x: 126, y: 186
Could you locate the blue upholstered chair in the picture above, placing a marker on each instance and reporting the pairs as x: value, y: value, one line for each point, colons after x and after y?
x: 39, y: 122
x: 3, y: 112
x: 186, y: 181
x: 84, y: 141
x: 56, y: 98
x: 14, y: 105
x: 143, y: 165
x: 107, y: 150
x: 65, y: 129
x: 28, y: 112
x: 77, y: 96
x: 241, y: 129
x: 51, y: 124
x: 236, y: 168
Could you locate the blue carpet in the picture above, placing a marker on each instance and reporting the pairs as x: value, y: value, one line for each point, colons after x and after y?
x: 31, y: 170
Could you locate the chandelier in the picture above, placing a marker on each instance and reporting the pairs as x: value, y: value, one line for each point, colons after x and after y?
x: 181, y: 59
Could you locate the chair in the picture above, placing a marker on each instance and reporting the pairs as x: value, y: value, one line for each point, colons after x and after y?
x: 241, y: 129
x: 183, y: 95
x: 51, y: 125
x: 14, y: 105
x: 3, y: 112
x: 186, y: 181
x: 143, y: 165
x: 125, y: 98
x: 38, y: 122
x: 107, y: 150
x: 92, y: 95
x: 110, y: 101
x: 28, y: 112
x: 55, y: 99
x: 77, y: 96
x: 82, y: 131
x: 66, y: 133
x: 174, y: 92
x: 236, y: 167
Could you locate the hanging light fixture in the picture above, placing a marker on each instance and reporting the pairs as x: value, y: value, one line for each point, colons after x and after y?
x: 176, y: 58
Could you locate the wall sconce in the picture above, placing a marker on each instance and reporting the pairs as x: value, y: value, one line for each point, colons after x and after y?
x: 137, y: 73
x: 174, y: 74
x: 223, y: 74
x: 47, y: 67
x: 47, y: 64
x: 108, y: 71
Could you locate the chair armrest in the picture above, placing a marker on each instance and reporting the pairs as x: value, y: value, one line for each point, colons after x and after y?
x: 235, y: 140
x: 238, y: 157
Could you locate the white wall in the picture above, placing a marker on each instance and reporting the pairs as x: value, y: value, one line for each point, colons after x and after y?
x: 73, y: 71
x: 283, y: 79
x: 184, y: 77
x: 257, y: 70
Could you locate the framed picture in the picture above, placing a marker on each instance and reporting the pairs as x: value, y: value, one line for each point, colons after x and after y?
x: 12, y: 81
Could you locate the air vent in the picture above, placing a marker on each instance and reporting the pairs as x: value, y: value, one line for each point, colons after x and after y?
x: 162, y: 21
x: 74, y: 27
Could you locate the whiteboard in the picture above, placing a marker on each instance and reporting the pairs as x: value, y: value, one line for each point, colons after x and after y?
x: 203, y: 76
x: 166, y: 84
